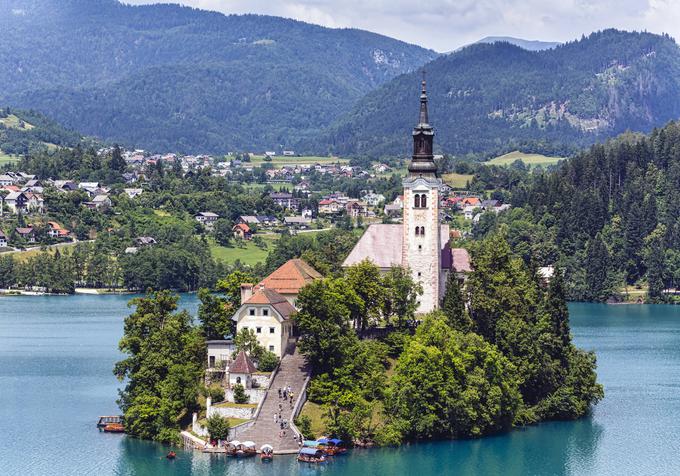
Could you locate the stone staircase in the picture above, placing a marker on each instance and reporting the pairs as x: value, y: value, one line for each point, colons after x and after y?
x: 293, y: 372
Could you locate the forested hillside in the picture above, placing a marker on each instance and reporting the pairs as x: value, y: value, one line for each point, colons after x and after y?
x: 26, y: 132
x: 175, y: 78
x: 610, y: 217
x: 491, y: 99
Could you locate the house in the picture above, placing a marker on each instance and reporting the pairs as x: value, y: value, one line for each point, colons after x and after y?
x: 329, y: 206
x: 289, y: 153
x: 289, y: 278
x: 3, y: 240
x: 133, y: 192
x: 219, y: 353
x: 145, y: 241
x: 374, y: 199
x: 546, y: 274
x: 355, y: 209
x: 268, y: 314
x: 207, y: 219
x: 284, y: 199
x: 100, y: 201
x: 471, y: 202
x: 65, y: 185
x: 267, y: 220
x: 88, y: 185
x: 270, y: 153
x: 241, y: 230
x: 469, y: 212
x: 56, y: 231
x: 24, y: 202
x: 297, y: 222
x: 241, y: 371
x: 6, y: 179
x: 26, y: 233
x: 248, y: 220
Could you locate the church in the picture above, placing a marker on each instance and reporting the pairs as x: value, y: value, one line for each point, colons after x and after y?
x: 420, y: 243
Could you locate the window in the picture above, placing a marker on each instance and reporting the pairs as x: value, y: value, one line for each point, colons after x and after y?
x: 422, y: 231
x: 417, y: 230
x: 238, y: 380
x: 420, y: 247
x: 423, y: 201
x: 259, y: 330
x: 265, y: 312
x: 419, y: 274
x: 272, y: 330
x: 212, y: 360
x: 251, y: 311
x: 417, y: 201
x: 271, y: 348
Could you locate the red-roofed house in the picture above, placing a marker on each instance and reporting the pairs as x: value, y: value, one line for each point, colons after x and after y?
x: 243, y: 231
x: 289, y: 278
x: 56, y: 231
x: 329, y: 206
x: 267, y: 313
x: 241, y: 371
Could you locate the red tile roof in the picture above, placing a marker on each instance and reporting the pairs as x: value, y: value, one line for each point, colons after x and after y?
x: 290, y: 277
x: 274, y: 299
x: 242, y: 226
x: 242, y: 364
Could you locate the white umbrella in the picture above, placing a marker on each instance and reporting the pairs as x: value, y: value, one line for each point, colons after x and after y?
x: 249, y: 444
x: 234, y: 443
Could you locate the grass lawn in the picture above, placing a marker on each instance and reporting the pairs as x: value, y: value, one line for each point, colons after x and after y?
x: 24, y: 255
x: 314, y: 412
x: 279, y: 160
x: 457, y: 180
x: 236, y: 405
x: 276, y: 186
x: 531, y: 160
x: 250, y: 254
x: 7, y: 159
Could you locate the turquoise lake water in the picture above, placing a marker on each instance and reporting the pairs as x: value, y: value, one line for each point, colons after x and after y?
x: 56, y: 356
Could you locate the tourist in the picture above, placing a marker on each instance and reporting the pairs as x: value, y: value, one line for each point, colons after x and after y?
x: 280, y: 406
x: 279, y: 392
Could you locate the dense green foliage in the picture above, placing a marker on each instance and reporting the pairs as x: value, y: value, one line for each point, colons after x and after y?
x: 175, y: 78
x: 493, y: 99
x: 609, y: 217
x: 498, y: 354
x: 162, y: 368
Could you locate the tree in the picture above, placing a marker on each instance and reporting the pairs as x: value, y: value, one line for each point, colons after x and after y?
x: 246, y: 341
x: 365, y: 280
x: 117, y: 163
x: 240, y: 395
x: 162, y: 367
x: 323, y: 322
x: 453, y: 305
x: 597, y: 268
x: 231, y: 286
x: 215, y: 314
x: 218, y: 427
x: 655, y: 261
x: 449, y: 384
x: 400, y: 300
x: 222, y: 231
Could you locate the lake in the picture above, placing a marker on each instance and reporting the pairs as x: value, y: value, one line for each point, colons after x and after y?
x: 56, y: 356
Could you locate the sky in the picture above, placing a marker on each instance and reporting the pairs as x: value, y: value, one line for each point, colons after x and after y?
x: 445, y: 25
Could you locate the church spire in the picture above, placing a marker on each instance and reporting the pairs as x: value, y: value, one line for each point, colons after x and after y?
x: 422, y: 162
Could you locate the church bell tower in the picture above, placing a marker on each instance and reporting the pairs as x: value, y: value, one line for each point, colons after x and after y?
x: 421, y: 244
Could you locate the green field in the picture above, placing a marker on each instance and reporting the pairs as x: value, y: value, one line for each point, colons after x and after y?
x: 457, y: 180
x: 13, y: 122
x: 279, y: 161
x: 250, y: 254
x: 531, y: 160
x: 7, y: 159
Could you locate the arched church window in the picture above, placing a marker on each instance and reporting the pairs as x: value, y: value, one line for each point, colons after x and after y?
x: 417, y: 201
x: 423, y: 201
x: 417, y: 230
x: 422, y: 231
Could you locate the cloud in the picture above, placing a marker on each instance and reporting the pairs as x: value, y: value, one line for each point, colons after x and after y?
x: 447, y: 24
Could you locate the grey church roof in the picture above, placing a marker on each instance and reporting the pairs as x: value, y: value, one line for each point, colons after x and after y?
x: 382, y: 245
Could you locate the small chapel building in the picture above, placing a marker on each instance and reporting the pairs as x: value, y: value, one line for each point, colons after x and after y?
x: 420, y: 243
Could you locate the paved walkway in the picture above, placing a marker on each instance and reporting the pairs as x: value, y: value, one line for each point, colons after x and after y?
x: 293, y: 372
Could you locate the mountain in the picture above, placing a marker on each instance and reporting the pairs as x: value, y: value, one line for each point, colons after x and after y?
x: 531, y: 45
x: 168, y: 77
x: 494, y: 98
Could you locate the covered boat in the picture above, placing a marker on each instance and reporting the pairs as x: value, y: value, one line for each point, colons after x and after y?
x: 232, y: 447
x: 311, y: 455
x: 266, y: 452
x: 335, y: 446
x: 247, y: 448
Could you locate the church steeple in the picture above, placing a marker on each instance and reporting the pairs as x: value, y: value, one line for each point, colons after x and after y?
x: 422, y: 162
